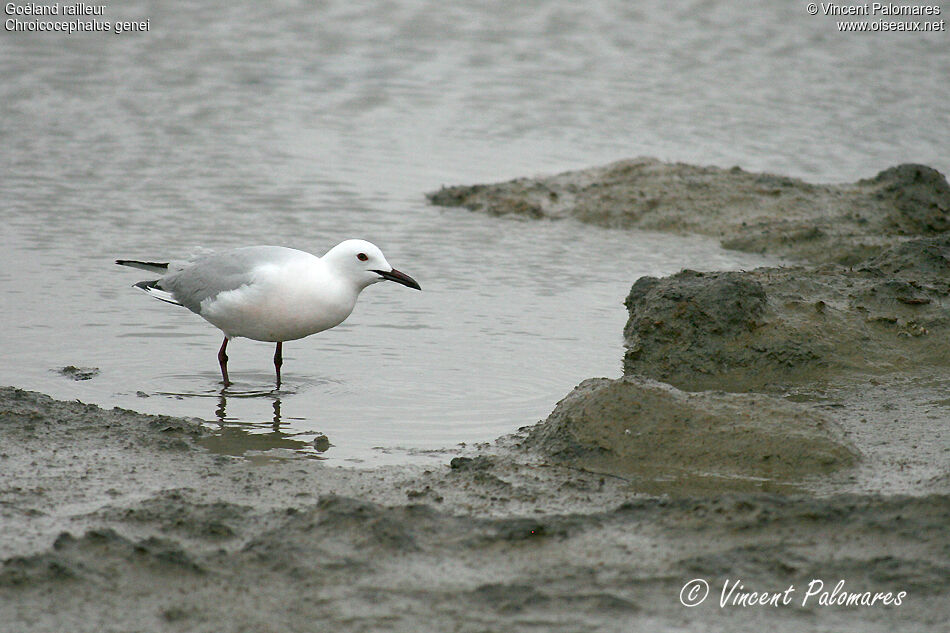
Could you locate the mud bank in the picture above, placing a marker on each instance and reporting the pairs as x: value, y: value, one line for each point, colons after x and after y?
x: 843, y: 356
x: 747, y: 211
x: 666, y: 440
x: 126, y: 524
x: 773, y: 328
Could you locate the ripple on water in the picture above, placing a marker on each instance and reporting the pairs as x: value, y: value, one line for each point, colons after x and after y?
x: 304, y: 141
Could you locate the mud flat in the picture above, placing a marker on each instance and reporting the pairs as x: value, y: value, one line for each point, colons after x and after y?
x: 785, y: 429
x: 117, y: 521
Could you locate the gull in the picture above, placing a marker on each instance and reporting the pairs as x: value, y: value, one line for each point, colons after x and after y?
x: 271, y: 293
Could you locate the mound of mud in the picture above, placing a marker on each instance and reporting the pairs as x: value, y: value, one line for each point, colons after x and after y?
x: 27, y: 415
x: 648, y: 431
x: 771, y: 327
x: 747, y: 211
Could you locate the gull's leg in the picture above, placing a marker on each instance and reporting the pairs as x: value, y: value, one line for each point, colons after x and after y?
x: 278, y: 361
x: 223, y: 361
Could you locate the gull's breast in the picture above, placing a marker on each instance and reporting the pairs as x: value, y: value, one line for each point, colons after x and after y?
x: 281, y: 303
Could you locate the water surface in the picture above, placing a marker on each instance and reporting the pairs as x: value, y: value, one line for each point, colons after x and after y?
x: 302, y: 124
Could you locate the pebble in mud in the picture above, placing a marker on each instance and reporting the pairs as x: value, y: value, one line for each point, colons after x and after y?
x: 321, y: 443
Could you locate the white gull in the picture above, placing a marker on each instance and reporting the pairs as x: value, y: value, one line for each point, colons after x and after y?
x: 271, y: 293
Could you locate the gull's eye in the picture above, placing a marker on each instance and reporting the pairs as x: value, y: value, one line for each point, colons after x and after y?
x: 362, y: 257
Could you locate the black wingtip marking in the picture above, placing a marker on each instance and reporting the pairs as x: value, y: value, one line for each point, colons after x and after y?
x: 145, y: 285
x: 138, y: 264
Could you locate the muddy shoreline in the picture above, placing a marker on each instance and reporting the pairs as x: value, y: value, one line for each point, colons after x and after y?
x: 776, y: 426
x: 846, y: 349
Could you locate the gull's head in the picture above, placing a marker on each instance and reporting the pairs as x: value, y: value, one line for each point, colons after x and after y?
x: 364, y: 264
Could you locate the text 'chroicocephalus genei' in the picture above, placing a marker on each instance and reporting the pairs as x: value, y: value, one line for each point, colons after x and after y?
x: 271, y: 293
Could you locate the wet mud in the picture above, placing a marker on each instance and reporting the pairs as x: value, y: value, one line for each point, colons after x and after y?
x: 831, y: 371
x: 773, y: 328
x: 126, y: 524
x: 756, y: 212
x: 671, y: 441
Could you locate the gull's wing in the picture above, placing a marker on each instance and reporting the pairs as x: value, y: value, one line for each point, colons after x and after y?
x: 212, y: 274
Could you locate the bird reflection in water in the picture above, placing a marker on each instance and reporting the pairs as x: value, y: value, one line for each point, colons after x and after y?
x: 238, y: 437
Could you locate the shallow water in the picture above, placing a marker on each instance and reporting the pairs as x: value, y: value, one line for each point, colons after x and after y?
x: 240, y: 123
